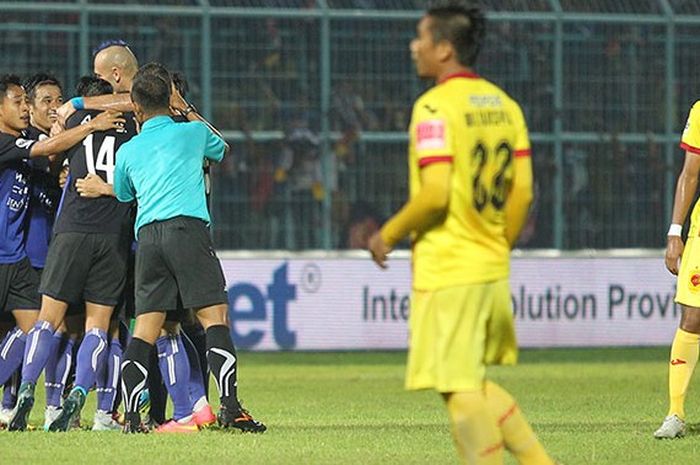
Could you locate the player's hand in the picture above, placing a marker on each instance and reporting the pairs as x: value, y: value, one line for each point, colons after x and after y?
x: 107, y: 120
x: 64, y: 111
x: 378, y: 249
x: 63, y: 176
x: 91, y: 186
x: 674, y: 251
x: 177, y: 102
x: 56, y: 129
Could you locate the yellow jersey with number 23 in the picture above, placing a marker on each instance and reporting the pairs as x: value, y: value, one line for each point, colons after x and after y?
x: 473, y: 124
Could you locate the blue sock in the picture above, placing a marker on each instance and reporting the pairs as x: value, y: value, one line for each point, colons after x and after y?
x: 9, y: 395
x: 52, y: 375
x: 175, y: 369
x: 196, y: 382
x: 108, y: 378
x: 37, y: 351
x: 11, y: 353
x: 92, y: 354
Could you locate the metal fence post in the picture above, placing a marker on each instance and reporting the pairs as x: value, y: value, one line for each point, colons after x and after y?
x: 326, y: 153
x: 84, y: 54
x: 207, y: 109
x: 558, y: 201
x: 669, y: 129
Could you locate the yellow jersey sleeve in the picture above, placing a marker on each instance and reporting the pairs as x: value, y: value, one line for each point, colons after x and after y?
x: 431, y: 134
x: 690, y: 141
x: 522, y: 139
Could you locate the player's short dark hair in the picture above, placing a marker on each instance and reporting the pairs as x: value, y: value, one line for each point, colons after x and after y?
x: 32, y: 83
x: 180, y: 83
x: 7, y: 80
x: 462, y: 24
x: 156, y: 69
x: 90, y: 86
x: 150, y: 91
x: 109, y: 43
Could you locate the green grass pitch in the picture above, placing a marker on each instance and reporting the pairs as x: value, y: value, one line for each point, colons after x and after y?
x: 588, y: 406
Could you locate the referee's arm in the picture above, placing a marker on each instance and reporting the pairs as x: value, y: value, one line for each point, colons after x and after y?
x: 123, y: 187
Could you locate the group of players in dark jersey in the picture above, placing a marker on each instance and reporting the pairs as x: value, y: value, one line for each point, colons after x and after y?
x: 67, y: 289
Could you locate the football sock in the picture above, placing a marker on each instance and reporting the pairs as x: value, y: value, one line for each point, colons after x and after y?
x: 37, y: 351
x: 108, y: 377
x: 175, y: 370
x: 92, y: 355
x: 135, y: 373
x: 478, y: 439
x: 684, y: 357
x: 9, y: 395
x: 196, y: 383
x: 517, y: 434
x: 11, y: 353
x: 198, y: 336
x: 222, y: 361
x: 58, y: 368
x: 157, y: 393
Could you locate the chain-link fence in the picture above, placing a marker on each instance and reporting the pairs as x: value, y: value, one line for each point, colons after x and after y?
x: 315, y: 97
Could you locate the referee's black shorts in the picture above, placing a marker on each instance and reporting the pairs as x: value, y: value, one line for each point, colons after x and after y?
x: 86, y: 267
x: 176, y: 257
x: 18, y: 286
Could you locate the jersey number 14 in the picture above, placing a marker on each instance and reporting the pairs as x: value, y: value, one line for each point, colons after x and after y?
x: 104, y: 161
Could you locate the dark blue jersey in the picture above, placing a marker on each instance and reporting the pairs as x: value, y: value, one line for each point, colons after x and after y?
x: 44, y: 196
x: 94, y: 155
x: 15, y: 174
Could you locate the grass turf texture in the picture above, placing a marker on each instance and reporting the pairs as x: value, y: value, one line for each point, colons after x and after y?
x: 588, y: 407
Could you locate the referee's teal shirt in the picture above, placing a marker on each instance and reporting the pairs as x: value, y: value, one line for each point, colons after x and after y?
x: 161, y: 168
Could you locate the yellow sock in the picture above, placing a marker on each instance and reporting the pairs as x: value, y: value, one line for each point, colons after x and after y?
x: 684, y: 357
x: 474, y: 429
x: 518, y: 436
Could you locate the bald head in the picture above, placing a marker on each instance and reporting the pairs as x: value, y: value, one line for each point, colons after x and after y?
x: 116, y: 65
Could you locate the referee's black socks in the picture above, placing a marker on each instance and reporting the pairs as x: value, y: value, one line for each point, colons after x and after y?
x: 222, y: 361
x: 135, y: 372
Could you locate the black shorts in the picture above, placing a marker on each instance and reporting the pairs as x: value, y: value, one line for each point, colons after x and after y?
x: 18, y: 286
x: 86, y: 267
x: 176, y: 257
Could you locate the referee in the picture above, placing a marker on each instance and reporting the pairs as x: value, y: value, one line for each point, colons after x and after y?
x: 161, y: 168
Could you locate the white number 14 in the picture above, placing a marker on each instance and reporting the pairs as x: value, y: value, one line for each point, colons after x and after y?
x: 105, y: 157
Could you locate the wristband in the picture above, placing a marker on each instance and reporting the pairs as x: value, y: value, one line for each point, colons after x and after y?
x: 78, y: 103
x: 675, y: 230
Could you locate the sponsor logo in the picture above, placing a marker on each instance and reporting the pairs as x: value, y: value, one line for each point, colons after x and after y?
x: 695, y: 282
x: 430, y: 135
x: 250, y: 303
x: 678, y: 361
x: 24, y: 143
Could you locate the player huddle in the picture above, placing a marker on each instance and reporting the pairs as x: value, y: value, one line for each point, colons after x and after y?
x: 123, y: 235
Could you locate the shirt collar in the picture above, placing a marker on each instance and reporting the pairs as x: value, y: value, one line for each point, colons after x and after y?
x: 464, y: 74
x: 156, y: 121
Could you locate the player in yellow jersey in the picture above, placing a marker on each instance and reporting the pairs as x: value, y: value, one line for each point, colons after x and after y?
x: 684, y: 351
x: 470, y: 190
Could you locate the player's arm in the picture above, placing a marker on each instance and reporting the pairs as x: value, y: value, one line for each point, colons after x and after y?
x: 520, y: 197
x: 686, y: 187
x: 70, y: 137
x: 123, y: 187
x: 426, y: 208
x: 113, y: 102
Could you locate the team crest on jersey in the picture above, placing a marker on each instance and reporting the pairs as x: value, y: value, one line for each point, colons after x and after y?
x: 694, y: 283
x: 430, y: 135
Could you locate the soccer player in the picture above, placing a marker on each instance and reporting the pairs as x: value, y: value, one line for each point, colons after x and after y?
x: 161, y: 169
x: 18, y: 280
x: 684, y: 350
x: 45, y: 96
x: 86, y: 262
x: 470, y: 190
